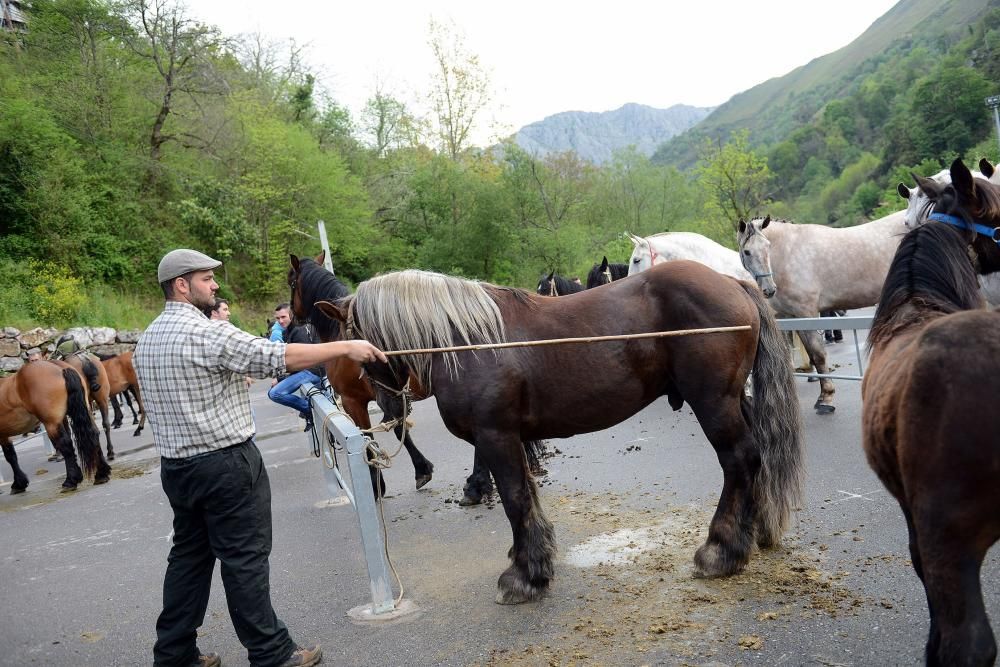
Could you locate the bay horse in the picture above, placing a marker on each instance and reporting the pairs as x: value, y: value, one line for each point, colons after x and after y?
x: 808, y: 269
x: 604, y: 273
x: 310, y: 282
x: 497, y: 400
x: 553, y: 285
x: 121, y: 381
x: 53, y: 393
x: 930, y: 425
x: 97, y: 379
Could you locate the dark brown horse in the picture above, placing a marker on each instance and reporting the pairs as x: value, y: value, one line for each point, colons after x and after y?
x: 97, y: 380
x: 122, y: 380
x: 495, y: 401
x: 929, y: 416
x: 53, y: 393
x: 605, y: 272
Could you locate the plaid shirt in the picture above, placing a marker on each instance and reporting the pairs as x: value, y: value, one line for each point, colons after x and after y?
x: 191, y: 374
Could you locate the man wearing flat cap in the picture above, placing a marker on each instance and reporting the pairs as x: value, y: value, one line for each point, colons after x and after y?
x: 191, y: 373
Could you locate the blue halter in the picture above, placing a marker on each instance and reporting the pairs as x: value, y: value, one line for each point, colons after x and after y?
x: 955, y: 221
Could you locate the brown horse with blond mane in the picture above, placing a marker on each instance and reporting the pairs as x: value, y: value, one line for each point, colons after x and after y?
x: 499, y: 400
x: 53, y: 393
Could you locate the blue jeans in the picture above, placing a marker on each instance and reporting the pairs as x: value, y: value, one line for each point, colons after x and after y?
x: 285, y: 391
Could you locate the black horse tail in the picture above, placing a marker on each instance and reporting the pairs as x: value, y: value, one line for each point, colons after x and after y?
x: 90, y: 372
x: 534, y: 450
x: 84, y: 431
x: 776, y: 424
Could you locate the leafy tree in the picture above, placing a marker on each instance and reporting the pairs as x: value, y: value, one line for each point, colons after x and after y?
x: 735, y: 178
x: 460, y: 88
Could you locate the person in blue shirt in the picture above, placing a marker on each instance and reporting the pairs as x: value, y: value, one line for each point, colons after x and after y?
x: 282, y: 318
x: 284, y: 390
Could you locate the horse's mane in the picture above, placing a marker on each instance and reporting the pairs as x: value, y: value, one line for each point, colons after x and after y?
x: 933, y: 272
x: 318, y: 284
x: 618, y: 271
x: 563, y: 285
x: 420, y: 309
x: 106, y: 356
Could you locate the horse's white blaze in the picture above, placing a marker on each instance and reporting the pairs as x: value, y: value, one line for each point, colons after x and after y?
x: 685, y: 245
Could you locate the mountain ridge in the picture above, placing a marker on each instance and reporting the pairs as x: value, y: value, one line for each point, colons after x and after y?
x: 596, y: 135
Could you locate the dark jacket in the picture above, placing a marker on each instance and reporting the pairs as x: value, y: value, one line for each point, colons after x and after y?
x: 304, y: 333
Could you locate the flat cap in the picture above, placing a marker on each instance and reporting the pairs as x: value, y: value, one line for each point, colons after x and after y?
x: 178, y: 262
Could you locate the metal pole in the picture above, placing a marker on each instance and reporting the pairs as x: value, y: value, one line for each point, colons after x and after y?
x: 327, y: 261
x: 993, y: 102
x: 361, y: 494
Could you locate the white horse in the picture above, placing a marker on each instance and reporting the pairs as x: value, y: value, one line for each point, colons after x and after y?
x: 807, y: 269
x: 685, y: 245
x: 919, y: 206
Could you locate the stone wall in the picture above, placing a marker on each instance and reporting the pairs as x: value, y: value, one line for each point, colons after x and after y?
x: 14, y: 344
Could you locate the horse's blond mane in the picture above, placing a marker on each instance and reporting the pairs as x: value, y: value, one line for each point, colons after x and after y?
x: 420, y: 309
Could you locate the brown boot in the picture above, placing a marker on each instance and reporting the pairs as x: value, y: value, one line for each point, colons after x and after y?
x: 304, y: 657
x: 208, y: 660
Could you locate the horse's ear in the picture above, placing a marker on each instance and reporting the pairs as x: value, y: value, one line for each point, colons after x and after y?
x: 321, y: 257
x: 903, y: 191
x: 962, y: 179
x: 332, y: 310
x: 550, y: 276
x: 928, y: 186
x: 766, y: 222
x: 986, y: 167
x: 604, y: 263
x: 295, y: 262
x: 637, y: 240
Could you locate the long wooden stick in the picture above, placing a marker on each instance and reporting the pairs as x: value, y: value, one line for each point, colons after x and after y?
x: 563, y: 341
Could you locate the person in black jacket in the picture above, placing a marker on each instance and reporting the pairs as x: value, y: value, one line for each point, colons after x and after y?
x: 285, y: 388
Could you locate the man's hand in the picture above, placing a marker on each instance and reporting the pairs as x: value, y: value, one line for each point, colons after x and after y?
x: 363, y: 351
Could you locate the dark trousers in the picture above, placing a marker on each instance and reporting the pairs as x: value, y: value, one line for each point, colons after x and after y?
x: 222, y: 510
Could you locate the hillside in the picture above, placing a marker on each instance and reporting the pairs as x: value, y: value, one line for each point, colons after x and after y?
x: 596, y: 136
x: 774, y: 108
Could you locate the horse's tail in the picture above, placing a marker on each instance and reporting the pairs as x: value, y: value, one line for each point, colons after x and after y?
x: 776, y: 424
x: 91, y: 373
x: 534, y: 450
x: 84, y: 431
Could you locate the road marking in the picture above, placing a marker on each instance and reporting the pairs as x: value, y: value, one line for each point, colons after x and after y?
x: 860, y: 496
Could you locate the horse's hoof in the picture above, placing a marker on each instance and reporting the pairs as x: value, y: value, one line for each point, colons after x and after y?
x: 422, y: 481
x: 66, y: 488
x: 111, y: 456
x: 825, y: 409
x: 711, y: 561
x: 14, y: 491
x: 116, y: 426
x: 137, y: 432
x: 511, y: 589
x: 469, y: 501
x: 102, y: 480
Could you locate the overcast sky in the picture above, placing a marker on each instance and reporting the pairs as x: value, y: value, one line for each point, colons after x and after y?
x: 550, y: 56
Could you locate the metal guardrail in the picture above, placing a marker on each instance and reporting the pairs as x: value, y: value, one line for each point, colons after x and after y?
x: 347, y: 444
x: 852, y: 323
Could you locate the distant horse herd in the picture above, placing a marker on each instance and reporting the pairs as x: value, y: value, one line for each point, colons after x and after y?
x: 929, y: 428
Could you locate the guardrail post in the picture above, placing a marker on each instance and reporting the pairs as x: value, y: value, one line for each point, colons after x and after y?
x: 358, y: 488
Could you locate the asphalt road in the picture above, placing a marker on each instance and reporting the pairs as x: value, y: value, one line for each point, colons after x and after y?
x: 81, y: 573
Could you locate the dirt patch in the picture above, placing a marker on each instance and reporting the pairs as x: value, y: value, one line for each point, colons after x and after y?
x: 128, y: 472
x: 642, y: 599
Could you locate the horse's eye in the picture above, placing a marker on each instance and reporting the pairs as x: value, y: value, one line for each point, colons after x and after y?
x: 745, y: 252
